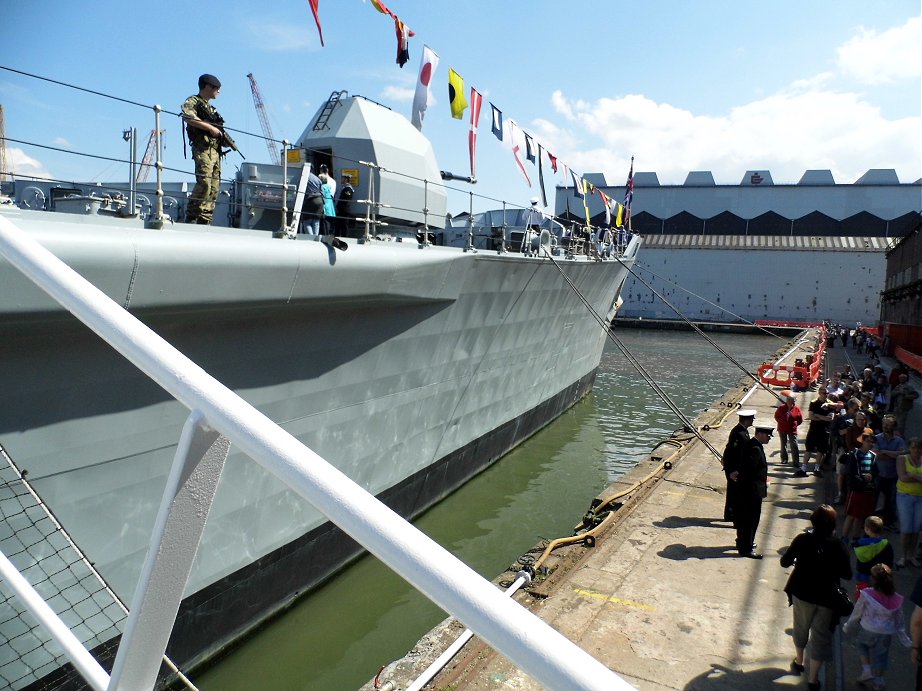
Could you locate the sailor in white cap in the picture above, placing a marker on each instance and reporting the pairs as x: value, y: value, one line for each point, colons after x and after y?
x: 531, y: 219
x: 751, y: 478
x: 733, y: 454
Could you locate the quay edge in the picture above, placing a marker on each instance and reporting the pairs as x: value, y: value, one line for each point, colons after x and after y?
x: 642, y: 599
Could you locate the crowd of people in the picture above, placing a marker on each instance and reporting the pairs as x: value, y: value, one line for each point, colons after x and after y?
x: 858, y: 428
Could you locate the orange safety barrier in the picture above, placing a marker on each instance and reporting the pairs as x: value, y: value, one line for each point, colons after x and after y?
x: 782, y: 375
x: 801, y: 375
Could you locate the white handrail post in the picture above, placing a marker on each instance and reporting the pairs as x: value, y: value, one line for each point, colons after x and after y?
x: 85, y: 663
x: 156, y: 220
x: 283, y: 229
x: 187, y: 499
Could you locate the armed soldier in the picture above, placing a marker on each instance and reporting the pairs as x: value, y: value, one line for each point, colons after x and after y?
x: 204, y: 127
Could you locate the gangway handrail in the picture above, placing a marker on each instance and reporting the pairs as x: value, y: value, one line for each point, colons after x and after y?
x: 534, y: 646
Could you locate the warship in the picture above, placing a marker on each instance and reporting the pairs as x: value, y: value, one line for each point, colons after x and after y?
x: 408, y: 363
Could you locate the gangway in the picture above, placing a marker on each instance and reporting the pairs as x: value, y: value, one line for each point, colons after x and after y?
x: 219, y: 417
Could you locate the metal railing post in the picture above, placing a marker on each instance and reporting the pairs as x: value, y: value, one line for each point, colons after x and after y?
x: 156, y: 219
x: 283, y: 229
x: 370, y: 216
x: 79, y: 656
x: 504, y: 227
x: 186, y: 502
x: 425, y: 241
x: 469, y: 245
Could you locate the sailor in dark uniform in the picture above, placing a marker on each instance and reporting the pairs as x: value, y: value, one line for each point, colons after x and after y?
x: 733, y: 454
x: 751, y: 479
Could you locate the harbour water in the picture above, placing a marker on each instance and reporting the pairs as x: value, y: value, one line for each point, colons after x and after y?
x: 339, y: 636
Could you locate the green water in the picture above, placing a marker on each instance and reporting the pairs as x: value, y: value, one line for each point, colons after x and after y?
x: 338, y: 637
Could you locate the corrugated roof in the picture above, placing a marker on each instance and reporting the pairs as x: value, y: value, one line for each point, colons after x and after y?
x: 772, y: 242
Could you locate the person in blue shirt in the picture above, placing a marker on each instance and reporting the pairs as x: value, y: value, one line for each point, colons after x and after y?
x: 888, y: 447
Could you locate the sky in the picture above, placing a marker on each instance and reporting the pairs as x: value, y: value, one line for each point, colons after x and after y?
x: 720, y: 85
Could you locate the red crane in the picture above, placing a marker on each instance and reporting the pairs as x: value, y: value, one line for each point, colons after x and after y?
x: 4, y: 171
x: 274, y: 155
x: 146, y: 162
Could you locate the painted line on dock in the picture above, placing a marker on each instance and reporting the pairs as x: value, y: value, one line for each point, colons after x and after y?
x: 614, y: 600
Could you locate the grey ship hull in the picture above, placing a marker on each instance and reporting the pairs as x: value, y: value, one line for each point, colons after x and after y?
x: 410, y: 369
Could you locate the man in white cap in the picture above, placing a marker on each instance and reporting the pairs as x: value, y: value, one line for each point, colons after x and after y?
x: 531, y: 219
x: 733, y: 454
x: 751, y: 478
x: 535, y: 215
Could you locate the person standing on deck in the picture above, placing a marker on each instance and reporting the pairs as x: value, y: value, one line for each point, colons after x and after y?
x: 751, y: 478
x: 733, y: 454
x: 203, y: 129
x: 902, y: 400
x: 788, y: 418
x: 819, y: 561
x: 820, y: 414
x: 344, y: 204
x: 888, y: 447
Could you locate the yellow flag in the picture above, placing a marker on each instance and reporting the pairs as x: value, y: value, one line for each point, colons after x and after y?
x: 619, y: 220
x: 456, y: 94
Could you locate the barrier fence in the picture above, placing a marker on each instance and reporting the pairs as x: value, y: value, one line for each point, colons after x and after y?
x: 802, y: 374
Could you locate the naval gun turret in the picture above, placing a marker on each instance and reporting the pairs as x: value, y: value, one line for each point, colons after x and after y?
x: 348, y: 129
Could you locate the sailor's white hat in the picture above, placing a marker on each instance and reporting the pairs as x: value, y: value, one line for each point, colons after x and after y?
x: 747, y: 412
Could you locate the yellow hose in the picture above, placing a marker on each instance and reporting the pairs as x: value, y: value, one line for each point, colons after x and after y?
x: 590, y: 535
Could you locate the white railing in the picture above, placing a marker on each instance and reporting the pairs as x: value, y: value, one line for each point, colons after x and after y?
x: 220, y: 416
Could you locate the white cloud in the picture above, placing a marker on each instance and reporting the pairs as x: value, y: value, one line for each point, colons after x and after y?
x: 787, y: 133
x: 21, y: 164
x: 814, y: 123
x: 280, y: 36
x: 885, y: 57
x: 61, y: 142
x: 398, y: 93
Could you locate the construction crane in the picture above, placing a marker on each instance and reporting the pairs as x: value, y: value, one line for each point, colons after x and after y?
x: 4, y: 170
x: 144, y: 168
x: 264, y: 121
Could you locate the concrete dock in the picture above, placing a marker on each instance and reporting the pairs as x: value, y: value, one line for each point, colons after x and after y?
x: 662, y: 598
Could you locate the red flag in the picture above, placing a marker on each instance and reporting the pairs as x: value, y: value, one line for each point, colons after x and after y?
x: 315, y: 8
x: 381, y: 7
x: 553, y: 160
x: 476, y: 100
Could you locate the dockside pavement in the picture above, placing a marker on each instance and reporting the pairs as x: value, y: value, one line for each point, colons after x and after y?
x: 663, y: 599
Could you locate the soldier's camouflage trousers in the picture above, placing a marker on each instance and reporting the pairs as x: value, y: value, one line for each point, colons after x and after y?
x: 200, y: 207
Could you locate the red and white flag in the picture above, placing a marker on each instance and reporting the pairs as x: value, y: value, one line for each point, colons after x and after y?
x: 427, y: 66
x: 315, y: 8
x: 476, y: 101
x: 518, y: 139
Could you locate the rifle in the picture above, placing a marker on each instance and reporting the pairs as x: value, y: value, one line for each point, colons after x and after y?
x: 214, y: 118
x: 227, y: 140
